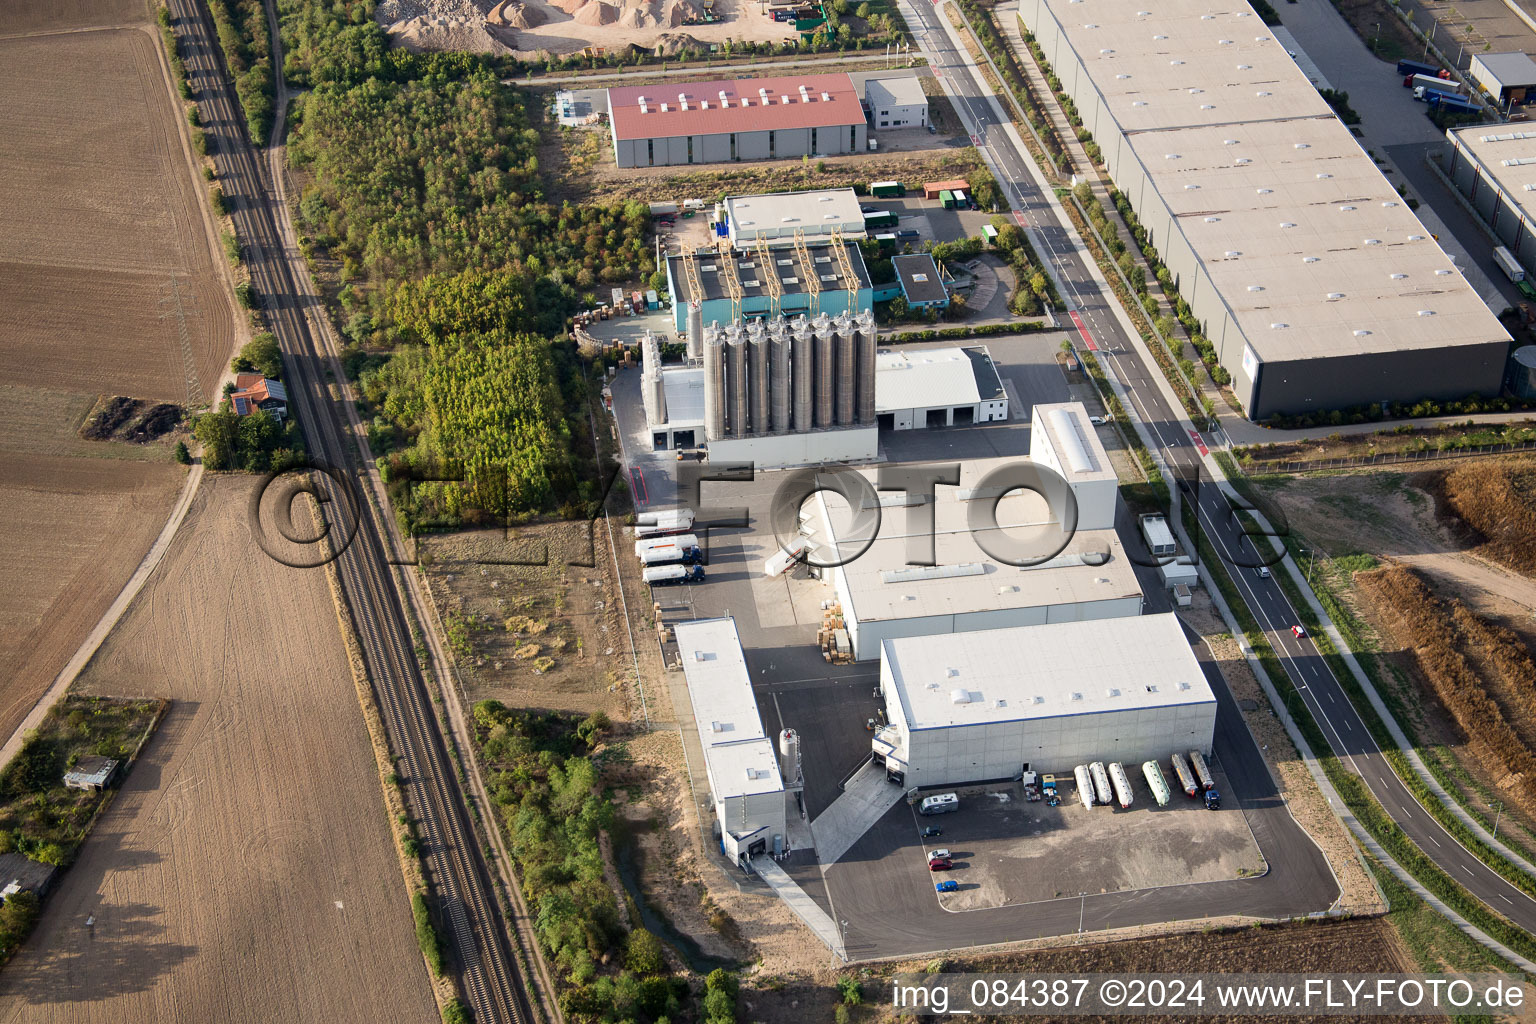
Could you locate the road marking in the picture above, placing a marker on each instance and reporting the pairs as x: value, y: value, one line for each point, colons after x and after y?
x: 976, y: 140
x: 1464, y: 867
x: 1331, y: 700
x: 1506, y: 899
x: 1194, y: 435
x: 1081, y: 329
x: 1434, y: 840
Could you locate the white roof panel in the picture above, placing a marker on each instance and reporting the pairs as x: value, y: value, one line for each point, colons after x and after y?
x: 739, y: 756
x: 924, y: 378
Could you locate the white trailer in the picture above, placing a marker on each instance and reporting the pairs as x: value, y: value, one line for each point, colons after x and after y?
x: 680, y: 541
x: 667, y: 554
x: 1158, y: 784
x: 1122, y: 784
x: 1101, y: 788
x: 1507, y: 263
x: 1084, y: 785
x: 1159, y: 538
x: 668, y: 575
x: 655, y: 524
x: 1186, y: 777
x: 1202, y: 770
x: 785, y: 559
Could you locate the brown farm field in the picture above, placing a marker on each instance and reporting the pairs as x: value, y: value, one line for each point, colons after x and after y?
x: 246, y: 872
x: 73, y: 532
x: 107, y: 270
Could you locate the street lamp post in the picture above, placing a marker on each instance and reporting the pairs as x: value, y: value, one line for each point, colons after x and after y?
x: 1376, y: 39
x: 1499, y: 813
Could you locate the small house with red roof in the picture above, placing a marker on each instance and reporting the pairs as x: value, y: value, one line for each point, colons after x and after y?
x: 253, y: 391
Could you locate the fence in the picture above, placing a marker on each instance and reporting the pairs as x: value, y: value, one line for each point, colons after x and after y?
x: 1388, y: 458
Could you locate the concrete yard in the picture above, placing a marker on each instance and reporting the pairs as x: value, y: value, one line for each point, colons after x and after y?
x: 1007, y: 850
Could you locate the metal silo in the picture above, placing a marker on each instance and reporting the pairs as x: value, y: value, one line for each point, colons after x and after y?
x: 842, y: 330
x: 778, y: 377
x: 695, y: 330
x: 864, y: 389
x: 803, y: 373
x: 822, y: 328
x: 1522, y: 372
x: 757, y: 376
x: 736, y: 416
x: 652, y: 392
x: 714, y: 384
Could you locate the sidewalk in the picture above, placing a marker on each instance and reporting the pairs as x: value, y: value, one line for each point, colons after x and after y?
x: 805, y: 908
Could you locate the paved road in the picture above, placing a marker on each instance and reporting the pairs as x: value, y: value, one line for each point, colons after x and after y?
x: 1310, y: 673
x: 473, y: 927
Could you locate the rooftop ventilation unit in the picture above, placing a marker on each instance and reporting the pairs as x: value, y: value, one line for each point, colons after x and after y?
x: 1323, y: 175
x: 1072, y: 450
x: 1372, y: 241
x: 1183, y: 686
x: 1335, y: 295
x: 1426, y: 312
x: 716, y: 727
x: 1255, y: 287
x: 933, y: 572
x: 1309, y: 259
x: 1397, y: 277
x: 1441, y: 273
x: 1113, y: 691
x: 1389, y: 203
x: 1362, y: 334
x: 1415, y: 238
x: 1122, y: 77
x: 1233, y: 254
x: 1213, y: 220
x: 1076, y: 695
x: 959, y: 696
x: 1278, y: 327
x: 1207, y: 106
x: 1263, y: 92
x: 663, y: 108
x: 826, y: 97
x: 1175, y: 63
x: 1191, y: 188
x: 1287, y: 224
x: 1038, y: 699
x: 1240, y: 161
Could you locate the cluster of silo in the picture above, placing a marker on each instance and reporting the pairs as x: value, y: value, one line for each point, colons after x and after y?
x: 777, y: 376
x: 695, y: 331
x: 652, y: 393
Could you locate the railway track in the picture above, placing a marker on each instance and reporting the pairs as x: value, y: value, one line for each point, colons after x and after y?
x: 475, y: 933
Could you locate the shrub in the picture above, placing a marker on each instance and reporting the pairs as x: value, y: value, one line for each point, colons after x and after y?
x: 261, y: 355
x: 426, y: 935
x: 180, y: 453
x: 849, y: 991
x: 642, y: 953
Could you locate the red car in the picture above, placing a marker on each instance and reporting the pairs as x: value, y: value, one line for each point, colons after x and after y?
x: 940, y: 864
x: 1298, y: 631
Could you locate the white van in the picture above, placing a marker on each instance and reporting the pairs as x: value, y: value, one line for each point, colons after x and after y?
x: 943, y: 803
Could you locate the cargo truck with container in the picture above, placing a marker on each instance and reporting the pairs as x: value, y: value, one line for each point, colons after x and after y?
x: 1154, y: 529
x: 1424, y: 85
x: 1156, y: 782
x: 1186, y: 777
x: 880, y: 220
x: 888, y: 190
x: 1121, y: 784
x: 1102, y: 791
x: 671, y: 554
x: 1409, y: 68
x: 658, y: 524
x: 1446, y: 103
x: 1084, y: 785
x: 671, y: 575
x: 1202, y: 770
x: 1507, y: 263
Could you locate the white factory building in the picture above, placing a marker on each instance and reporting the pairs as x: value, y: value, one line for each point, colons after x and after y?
x: 1063, y: 438
x: 937, y: 387
x: 883, y: 597
x: 746, y: 788
x: 897, y: 102
x: 990, y: 704
x: 780, y: 218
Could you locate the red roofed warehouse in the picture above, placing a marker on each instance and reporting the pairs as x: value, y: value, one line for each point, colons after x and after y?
x: 743, y: 119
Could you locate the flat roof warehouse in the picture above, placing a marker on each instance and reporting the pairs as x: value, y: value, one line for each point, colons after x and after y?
x: 739, y: 755
x: 1311, y: 249
x: 670, y: 110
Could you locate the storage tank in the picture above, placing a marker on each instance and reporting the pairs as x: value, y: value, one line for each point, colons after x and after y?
x: 714, y: 383
x: 1186, y: 777
x: 847, y: 368
x: 864, y: 388
x: 1202, y: 770
x: 1084, y: 785
x: 1121, y: 784
x: 1156, y: 782
x: 695, y: 330
x: 652, y: 391
x: 738, y: 404
x: 803, y: 373
x: 1101, y: 788
x: 757, y: 377
x: 779, y: 389
x: 1522, y: 373
x: 789, y: 755
x: 821, y: 327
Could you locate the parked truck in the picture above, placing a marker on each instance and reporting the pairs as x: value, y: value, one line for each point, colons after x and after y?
x: 880, y: 220
x: 671, y: 575
x: 1409, y: 68
x: 1156, y: 782
x: 1121, y: 783
x: 941, y: 803
x: 1507, y: 263
x: 1154, y: 528
x: 1186, y: 777
x: 1449, y: 103
x: 1212, y: 800
x: 658, y: 524
x: 1101, y: 788
x: 887, y: 190
x: 1202, y: 770
x: 1424, y: 85
x: 1084, y: 785
x: 672, y: 542
x: 671, y: 554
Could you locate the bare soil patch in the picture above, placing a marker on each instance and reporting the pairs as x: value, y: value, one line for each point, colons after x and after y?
x: 106, y: 269
x: 245, y: 873
x: 73, y: 531
x: 128, y: 419
x: 18, y: 16
x: 1495, y: 503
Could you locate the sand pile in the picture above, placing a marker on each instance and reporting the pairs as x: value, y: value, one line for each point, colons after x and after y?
x: 514, y: 14
x: 569, y: 6
x: 426, y: 33
x: 669, y: 44
x: 595, y: 12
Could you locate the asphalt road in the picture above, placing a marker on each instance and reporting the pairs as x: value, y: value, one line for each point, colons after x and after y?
x: 1308, y: 670
x: 470, y: 919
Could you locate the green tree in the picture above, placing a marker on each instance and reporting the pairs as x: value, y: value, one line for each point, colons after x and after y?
x: 455, y: 1012
x: 642, y: 953
x: 259, y: 434
x: 180, y: 453
x: 17, y: 915
x: 849, y: 991
x: 219, y: 434
x: 899, y: 308
x: 261, y: 355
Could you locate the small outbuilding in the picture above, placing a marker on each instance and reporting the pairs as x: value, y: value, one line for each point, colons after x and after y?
x: 1507, y: 77
x: 896, y: 102
x: 937, y: 387
x: 91, y: 773
x: 21, y: 874
x: 921, y: 285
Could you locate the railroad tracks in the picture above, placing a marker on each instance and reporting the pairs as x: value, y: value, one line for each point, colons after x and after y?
x: 475, y: 932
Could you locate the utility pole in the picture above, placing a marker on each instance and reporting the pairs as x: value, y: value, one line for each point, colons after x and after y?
x: 1376, y: 39
x: 1496, y: 817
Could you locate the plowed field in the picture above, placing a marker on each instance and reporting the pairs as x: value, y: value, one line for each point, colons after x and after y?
x: 245, y: 874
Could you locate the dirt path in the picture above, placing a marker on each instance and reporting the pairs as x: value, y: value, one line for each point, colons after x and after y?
x: 245, y: 873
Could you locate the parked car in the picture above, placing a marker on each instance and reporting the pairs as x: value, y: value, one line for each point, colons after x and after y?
x: 932, y: 832
x: 932, y: 130
x: 1098, y: 421
x: 1263, y: 572
x: 869, y: 209
x: 1298, y: 631
x: 948, y: 885
x: 938, y: 864
x: 939, y: 855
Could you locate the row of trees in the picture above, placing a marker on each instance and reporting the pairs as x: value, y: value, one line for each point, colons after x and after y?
x: 247, y: 45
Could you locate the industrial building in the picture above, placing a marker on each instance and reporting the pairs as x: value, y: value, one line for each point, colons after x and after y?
x: 991, y: 704
x: 745, y: 786
x: 882, y: 596
x: 1315, y: 283
x: 922, y: 287
x: 937, y: 387
x: 896, y: 102
x: 740, y: 119
x: 1063, y: 439
x: 1507, y: 77
x: 779, y: 218
x: 803, y: 276
x: 773, y: 392
x: 1494, y: 166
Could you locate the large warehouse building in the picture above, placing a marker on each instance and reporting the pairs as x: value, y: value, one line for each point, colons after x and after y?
x: 1494, y: 166
x: 741, y: 119
x: 1316, y: 284
x: 937, y: 387
x: 804, y: 276
x: 745, y: 786
x: 883, y: 597
x: 1043, y: 698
